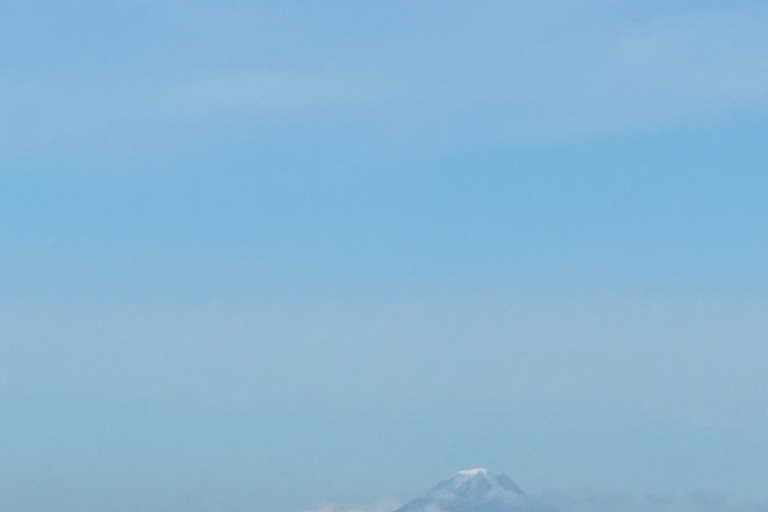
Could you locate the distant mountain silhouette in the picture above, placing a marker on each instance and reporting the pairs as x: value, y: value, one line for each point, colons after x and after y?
x: 476, y: 490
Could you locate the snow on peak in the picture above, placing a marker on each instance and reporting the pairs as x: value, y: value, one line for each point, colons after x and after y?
x: 479, y: 482
x: 475, y: 490
x: 472, y: 472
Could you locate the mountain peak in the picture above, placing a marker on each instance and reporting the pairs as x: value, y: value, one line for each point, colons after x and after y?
x: 478, y: 485
x: 474, y: 490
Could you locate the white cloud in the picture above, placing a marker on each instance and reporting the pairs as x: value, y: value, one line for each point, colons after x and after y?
x: 607, y: 501
x: 334, y: 508
x: 569, y: 76
x: 386, y: 505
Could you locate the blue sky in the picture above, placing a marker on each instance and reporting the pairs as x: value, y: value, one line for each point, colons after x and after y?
x: 265, y: 256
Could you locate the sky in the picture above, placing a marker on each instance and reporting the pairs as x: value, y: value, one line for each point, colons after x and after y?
x: 292, y: 256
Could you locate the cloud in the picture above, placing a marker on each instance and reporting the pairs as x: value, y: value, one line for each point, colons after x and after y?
x: 63, y: 111
x: 607, y: 501
x: 334, y: 508
x: 610, y: 501
x: 465, y: 77
x: 386, y: 505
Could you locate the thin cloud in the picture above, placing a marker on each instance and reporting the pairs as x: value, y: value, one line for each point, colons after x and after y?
x: 567, y: 78
x: 610, y: 501
x: 386, y: 505
x: 697, y: 501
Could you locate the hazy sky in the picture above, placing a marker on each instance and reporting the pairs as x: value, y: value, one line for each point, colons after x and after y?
x: 261, y: 256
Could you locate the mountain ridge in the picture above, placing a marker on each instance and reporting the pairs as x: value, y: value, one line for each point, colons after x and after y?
x: 475, y: 490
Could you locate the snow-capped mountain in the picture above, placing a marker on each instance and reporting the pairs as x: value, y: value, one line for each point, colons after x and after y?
x: 475, y: 490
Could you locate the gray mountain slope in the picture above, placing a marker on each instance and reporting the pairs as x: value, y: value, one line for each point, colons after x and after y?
x: 476, y: 490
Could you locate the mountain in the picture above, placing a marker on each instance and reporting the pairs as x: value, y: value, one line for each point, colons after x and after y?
x: 475, y: 490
